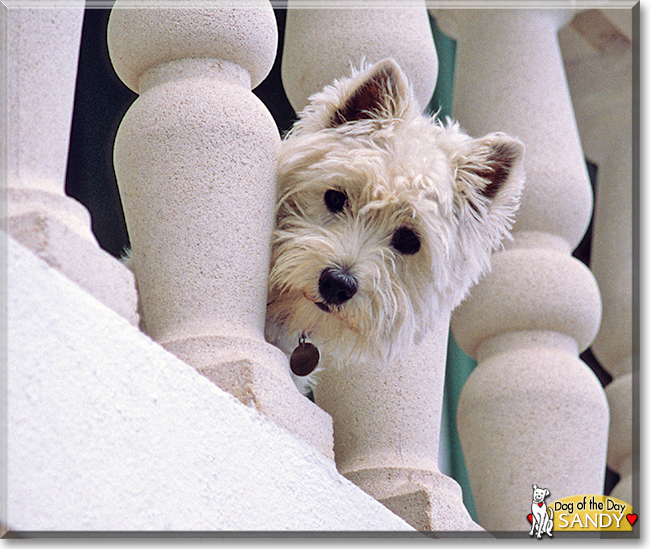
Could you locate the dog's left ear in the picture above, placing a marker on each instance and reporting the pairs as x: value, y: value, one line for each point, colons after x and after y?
x: 381, y: 92
x: 489, y: 178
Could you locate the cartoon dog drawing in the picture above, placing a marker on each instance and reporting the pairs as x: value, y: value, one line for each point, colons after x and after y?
x: 540, y: 516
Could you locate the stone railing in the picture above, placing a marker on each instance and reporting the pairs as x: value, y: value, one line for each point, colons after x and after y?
x: 390, y: 449
x: 42, y: 55
x: 597, y: 49
x: 194, y: 158
x: 530, y: 410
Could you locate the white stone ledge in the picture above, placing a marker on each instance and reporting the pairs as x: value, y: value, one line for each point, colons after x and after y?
x: 108, y: 431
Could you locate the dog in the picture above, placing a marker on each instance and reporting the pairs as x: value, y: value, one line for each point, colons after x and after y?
x: 385, y: 218
x: 540, y: 513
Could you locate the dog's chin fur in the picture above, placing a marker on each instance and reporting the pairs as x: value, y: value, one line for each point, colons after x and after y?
x: 364, y: 136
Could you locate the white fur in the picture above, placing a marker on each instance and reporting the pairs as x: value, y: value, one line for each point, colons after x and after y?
x: 398, y: 168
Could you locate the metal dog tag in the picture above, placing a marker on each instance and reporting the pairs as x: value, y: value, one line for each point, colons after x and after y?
x: 304, y: 358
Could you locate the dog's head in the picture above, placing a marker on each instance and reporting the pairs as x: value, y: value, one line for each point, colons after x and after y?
x: 540, y: 494
x: 385, y: 217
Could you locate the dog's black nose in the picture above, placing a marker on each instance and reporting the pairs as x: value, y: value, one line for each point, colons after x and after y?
x: 336, y: 286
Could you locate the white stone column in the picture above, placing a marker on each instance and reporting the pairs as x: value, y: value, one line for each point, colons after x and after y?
x: 387, y: 432
x: 42, y: 56
x: 531, y: 412
x: 386, y: 416
x: 195, y: 161
x: 322, y: 44
x: 599, y: 73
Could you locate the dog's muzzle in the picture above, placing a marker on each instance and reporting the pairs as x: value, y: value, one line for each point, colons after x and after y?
x: 336, y: 286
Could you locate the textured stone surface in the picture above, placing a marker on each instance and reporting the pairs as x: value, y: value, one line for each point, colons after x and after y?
x: 599, y: 72
x: 258, y: 383
x: 530, y: 289
x: 194, y: 162
x: 323, y: 44
x: 619, y: 395
x: 241, y: 32
x: 528, y: 414
x: 396, y: 409
x: 108, y: 431
x: 387, y: 431
x: 425, y: 498
x: 386, y: 415
x: 531, y: 407
x: 507, y: 81
x: 42, y: 52
x: 195, y: 159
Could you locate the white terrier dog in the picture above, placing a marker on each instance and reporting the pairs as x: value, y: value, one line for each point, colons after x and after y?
x: 385, y: 219
x: 541, y: 515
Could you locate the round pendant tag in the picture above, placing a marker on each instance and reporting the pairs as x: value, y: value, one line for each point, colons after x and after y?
x: 304, y: 358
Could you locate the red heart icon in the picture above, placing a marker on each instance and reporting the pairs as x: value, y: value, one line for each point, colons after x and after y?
x: 631, y: 519
x: 530, y: 517
x: 541, y: 503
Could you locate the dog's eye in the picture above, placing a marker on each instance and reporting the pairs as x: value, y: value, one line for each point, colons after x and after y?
x: 405, y: 241
x: 335, y: 200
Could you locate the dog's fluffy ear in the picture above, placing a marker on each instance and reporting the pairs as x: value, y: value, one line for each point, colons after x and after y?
x: 381, y: 92
x: 489, y: 180
x: 486, y: 168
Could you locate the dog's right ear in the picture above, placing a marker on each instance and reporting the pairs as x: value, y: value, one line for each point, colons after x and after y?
x: 381, y: 92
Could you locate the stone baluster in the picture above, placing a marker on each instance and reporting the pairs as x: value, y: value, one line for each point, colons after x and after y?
x: 600, y: 80
x: 613, y: 270
x: 322, y: 44
x: 531, y: 412
x: 386, y: 416
x: 42, y: 54
x: 387, y: 433
x: 195, y: 160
